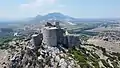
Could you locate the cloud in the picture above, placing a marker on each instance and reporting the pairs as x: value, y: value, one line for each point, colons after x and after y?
x: 37, y: 3
x: 41, y: 7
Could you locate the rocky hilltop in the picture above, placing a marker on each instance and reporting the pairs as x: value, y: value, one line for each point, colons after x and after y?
x: 55, y: 48
x: 18, y: 55
x: 43, y: 57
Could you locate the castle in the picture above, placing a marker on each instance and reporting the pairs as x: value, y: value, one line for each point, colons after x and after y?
x: 54, y: 35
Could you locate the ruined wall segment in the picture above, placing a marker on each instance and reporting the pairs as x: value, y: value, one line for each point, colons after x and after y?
x: 37, y: 39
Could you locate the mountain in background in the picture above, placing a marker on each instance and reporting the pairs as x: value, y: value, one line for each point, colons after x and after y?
x: 53, y: 16
x: 56, y: 16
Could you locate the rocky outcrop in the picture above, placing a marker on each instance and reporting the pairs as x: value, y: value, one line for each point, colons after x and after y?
x: 22, y: 56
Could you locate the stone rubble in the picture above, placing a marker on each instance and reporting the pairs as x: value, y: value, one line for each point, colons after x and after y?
x: 44, y: 57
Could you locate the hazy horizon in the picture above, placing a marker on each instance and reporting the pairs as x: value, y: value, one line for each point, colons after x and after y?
x: 20, y: 9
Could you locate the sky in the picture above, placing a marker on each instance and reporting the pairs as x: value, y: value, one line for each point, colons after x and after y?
x: 19, y: 9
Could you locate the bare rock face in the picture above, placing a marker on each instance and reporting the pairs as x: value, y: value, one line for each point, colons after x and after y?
x: 23, y: 56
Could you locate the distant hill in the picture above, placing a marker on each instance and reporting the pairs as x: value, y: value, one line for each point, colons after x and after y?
x: 52, y: 16
x: 65, y: 18
x: 56, y: 16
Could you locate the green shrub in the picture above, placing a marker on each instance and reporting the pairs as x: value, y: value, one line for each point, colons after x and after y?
x: 4, y: 41
x: 96, y: 64
x: 90, y: 58
x: 105, y: 63
x: 78, y: 56
x: 95, y: 55
x: 81, y: 58
x: 84, y: 65
x: 116, y: 54
x: 115, y: 65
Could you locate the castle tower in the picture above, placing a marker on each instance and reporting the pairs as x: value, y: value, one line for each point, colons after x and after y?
x: 37, y: 39
x: 49, y: 36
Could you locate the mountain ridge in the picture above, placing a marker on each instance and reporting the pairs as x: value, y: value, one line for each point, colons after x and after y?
x: 57, y: 16
x: 66, y: 18
x: 53, y: 16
